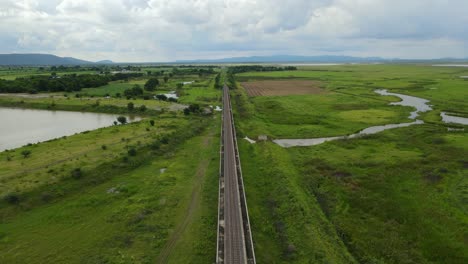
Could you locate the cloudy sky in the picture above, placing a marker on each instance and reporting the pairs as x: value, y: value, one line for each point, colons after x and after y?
x: 167, y: 30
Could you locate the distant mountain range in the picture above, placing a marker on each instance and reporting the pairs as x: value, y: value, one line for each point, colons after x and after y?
x: 43, y: 60
x: 49, y: 59
x: 288, y: 58
x: 314, y: 59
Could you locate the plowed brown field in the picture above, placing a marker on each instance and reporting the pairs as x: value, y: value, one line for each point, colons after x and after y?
x: 272, y: 88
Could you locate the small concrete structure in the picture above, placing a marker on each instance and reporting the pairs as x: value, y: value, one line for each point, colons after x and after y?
x: 262, y: 138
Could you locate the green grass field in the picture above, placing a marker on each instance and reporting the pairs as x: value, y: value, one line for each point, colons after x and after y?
x: 142, y: 194
x: 112, y: 88
x: 128, y: 218
x: 394, y: 197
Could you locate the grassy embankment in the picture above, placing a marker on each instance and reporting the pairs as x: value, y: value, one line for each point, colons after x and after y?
x: 394, y: 197
x: 121, y: 207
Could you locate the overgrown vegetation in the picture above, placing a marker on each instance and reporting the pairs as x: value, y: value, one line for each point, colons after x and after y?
x: 393, y: 197
x: 146, y: 188
x: 55, y: 83
x: 258, y: 68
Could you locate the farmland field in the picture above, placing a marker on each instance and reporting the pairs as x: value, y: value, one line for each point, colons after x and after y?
x: 269, y: 88
x: 398, y: 196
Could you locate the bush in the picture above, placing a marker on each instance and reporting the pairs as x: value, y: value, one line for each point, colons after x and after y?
x: 104, y: 147
x: 122, y: 119
x: 151, y: 122
x: 76, y: 173
x: 12, y: 198
x: 142, y: 108
x: 161, y: 97
x: 26, y: 153
x: 132, y: 152
x: 46, y: 196
x: 130, y: 106
x: 156, y: 145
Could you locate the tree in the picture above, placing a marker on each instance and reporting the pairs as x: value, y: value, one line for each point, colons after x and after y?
x: 130, y: 106
x: 161, y: 97
x: 166, y: 78
x: 180, y: 85
x: 142, y: 108
x: 26, y: 153
x: 122, y: 119
x: 151, y: 122
x: 134, y: 91
x: 151, y: 84
x: 194, y: 108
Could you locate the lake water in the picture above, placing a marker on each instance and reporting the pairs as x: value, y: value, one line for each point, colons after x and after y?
x: 19, y: 127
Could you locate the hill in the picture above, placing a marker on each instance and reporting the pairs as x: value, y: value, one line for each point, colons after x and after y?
x: 104, y: 62
x: 39, y: 59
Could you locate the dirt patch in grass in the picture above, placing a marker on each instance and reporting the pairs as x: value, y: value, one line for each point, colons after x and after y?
x: 283, y: 87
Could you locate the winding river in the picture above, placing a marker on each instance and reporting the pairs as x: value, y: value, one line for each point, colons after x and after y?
x: 421, y: 105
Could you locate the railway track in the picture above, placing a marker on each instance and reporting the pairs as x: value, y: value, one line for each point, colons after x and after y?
x: 234, y: 243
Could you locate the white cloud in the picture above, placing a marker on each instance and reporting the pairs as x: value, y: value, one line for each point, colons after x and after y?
x: 157, y: 30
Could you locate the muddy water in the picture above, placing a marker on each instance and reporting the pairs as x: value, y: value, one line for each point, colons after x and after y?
x: 287, y: 143
x: 420, y: 104
x: 454, y: 119
x: 19, y: 127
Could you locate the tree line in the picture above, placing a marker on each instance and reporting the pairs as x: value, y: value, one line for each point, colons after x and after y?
x: 64, y: 83
x: 258, y: 68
